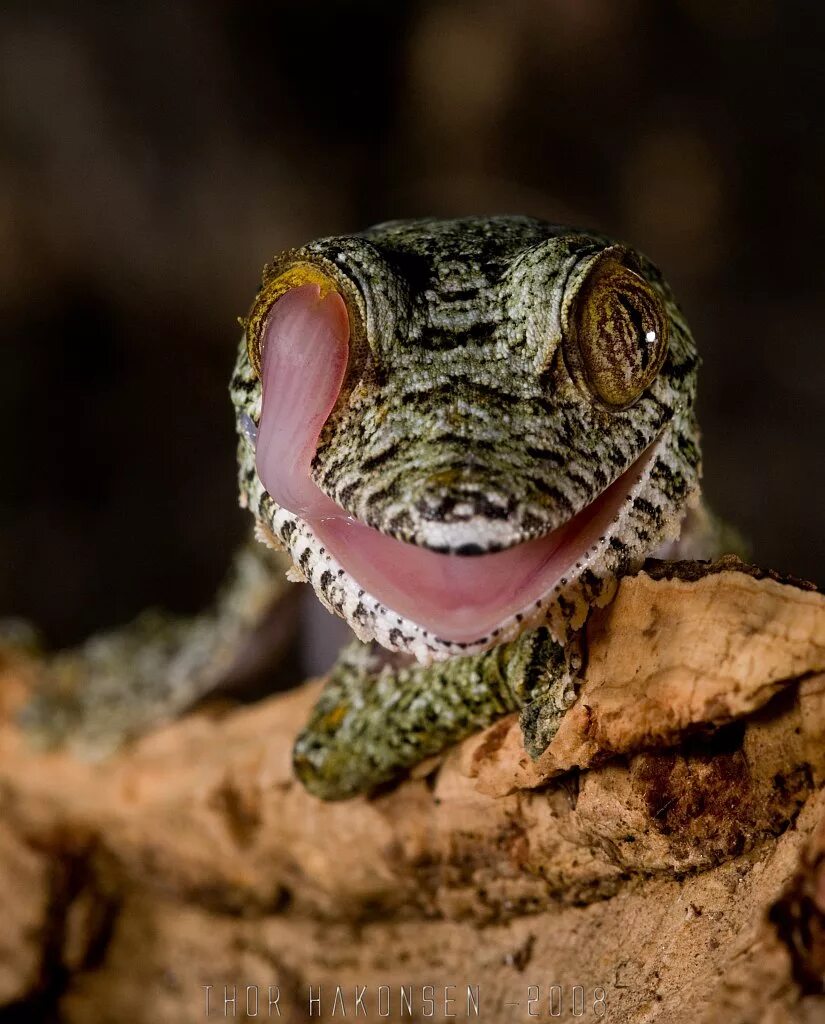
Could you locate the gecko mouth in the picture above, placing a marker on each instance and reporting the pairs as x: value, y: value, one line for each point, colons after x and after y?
x: 465, y: 598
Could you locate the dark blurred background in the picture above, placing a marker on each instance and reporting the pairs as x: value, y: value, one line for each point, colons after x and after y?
x: 153, y: 156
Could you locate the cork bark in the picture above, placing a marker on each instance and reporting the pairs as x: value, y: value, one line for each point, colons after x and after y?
x: 663, y: 861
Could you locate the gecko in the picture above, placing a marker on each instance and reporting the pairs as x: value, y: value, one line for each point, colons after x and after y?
x: 461, y: 434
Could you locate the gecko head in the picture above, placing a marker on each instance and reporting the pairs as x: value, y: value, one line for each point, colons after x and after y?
x: 459, y: 429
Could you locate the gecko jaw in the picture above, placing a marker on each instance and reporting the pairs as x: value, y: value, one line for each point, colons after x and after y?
x: 608, y: 538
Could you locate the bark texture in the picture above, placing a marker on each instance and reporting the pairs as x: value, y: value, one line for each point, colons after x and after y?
x: 664, y: 860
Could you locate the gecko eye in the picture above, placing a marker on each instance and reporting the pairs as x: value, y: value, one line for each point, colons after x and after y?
x: 618, y: 333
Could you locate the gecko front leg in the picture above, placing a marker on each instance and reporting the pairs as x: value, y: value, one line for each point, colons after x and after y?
x: 374, y: 719
x: 119, y: 684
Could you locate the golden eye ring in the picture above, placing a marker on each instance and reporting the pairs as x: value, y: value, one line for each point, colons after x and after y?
x: 292, y: 270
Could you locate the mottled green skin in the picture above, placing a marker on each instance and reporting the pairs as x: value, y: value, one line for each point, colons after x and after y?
x: 461, y: 428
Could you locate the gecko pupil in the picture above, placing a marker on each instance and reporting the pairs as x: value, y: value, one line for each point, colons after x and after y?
x: 637, y: 331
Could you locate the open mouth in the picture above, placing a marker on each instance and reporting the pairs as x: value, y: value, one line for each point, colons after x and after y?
x: 461, y: 598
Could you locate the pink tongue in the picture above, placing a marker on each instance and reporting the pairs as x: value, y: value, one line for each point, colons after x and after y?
x: 464, y: 598
x: 305, y: 351
x: 459, y: 598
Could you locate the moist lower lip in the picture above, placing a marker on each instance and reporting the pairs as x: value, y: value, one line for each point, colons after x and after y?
x: 466, y: 598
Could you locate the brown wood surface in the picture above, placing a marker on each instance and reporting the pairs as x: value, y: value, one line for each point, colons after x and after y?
x: 668, y: 848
